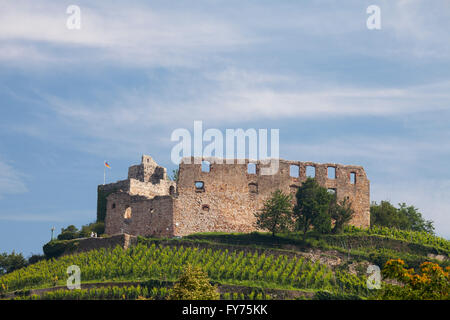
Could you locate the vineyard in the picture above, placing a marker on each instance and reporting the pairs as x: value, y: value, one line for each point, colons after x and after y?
x: 109, y: 293
x: 130, y: 293
x: 233, y: 261
x: 421, y: 238
x: 157, y: 262
x: 376, y: 244
x: 257, y: 239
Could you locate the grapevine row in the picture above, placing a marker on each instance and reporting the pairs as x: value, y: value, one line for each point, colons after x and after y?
x: 167, y: 263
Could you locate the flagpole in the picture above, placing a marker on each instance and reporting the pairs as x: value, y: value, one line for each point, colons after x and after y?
x: 104, y: 173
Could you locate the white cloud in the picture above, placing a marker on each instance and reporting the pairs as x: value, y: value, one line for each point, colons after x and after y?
x: 416, y: 19
x: 135, y: 35
x: 128, y: 118
x: 147, y: 35
x: 11, y: 181
x: 241, y: 96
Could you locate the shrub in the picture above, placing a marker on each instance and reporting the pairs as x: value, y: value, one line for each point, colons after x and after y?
x: 432, y: 282
x: 69, y: 233
x: 35, y: 258
x: 56, y: 248
x: 194, y: 285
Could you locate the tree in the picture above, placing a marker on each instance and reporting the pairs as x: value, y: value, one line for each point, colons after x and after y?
x: 276, y: 215
x: 415, y: 221
x: 194, y: 284
x: 341, y: 212
x: 35, y: 258
x: 96, y: 227
x: 71, y: 232
x: 432, y: 282
x: 405, y: 217
x: 11, y: 262
x: 385, y: 215
x: 313, y: 202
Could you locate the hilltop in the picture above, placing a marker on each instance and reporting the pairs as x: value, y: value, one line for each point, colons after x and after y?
x: 244, y: 265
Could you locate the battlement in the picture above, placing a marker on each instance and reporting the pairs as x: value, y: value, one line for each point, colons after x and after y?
x: 147, y: 171
x: 330, y: 175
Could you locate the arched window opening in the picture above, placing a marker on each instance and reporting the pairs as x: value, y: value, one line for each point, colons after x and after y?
x: 127, y: 214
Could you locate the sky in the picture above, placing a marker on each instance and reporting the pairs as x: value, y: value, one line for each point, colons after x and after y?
x: 137, y: 70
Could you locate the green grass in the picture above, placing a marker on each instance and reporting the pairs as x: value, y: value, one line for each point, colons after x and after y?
x: 376, y: 245
x: 426, y: 241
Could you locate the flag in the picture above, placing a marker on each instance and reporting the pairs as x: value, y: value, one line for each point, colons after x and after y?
x: 107, y: 165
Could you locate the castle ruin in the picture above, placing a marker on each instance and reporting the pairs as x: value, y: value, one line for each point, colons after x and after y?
x: 216, y: 196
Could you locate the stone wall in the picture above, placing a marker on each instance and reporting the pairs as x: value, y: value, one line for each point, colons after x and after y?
x: 87, y: 244
x: 139, y: 215
x: 150, y: 190
x: 223, y: 199
x: 230, y: 195
x: 146, y: 179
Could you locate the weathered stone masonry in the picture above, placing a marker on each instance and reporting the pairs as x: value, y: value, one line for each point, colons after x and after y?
x: 223, y: 199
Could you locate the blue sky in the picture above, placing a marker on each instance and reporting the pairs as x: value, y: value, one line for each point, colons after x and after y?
x: 135, y: 71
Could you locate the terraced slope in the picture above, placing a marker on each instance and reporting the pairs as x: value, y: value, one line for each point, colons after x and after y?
x: 142, y: 262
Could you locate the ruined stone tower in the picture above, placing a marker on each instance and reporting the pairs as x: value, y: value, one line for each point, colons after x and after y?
x: 221, y: 197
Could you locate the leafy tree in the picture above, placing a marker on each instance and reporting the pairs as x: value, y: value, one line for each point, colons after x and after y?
x: 383, y: 214
x: 11, y: 262
x: 276, y: 215
x: 313, y: 202
x: 71, y: 232
x: 341, y: 212
x: 96, y: 227
x: 432, y: 282
x: 405, y: 217
x: 415, y: 221
x: 35, y: 258
x: 194, y: 284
